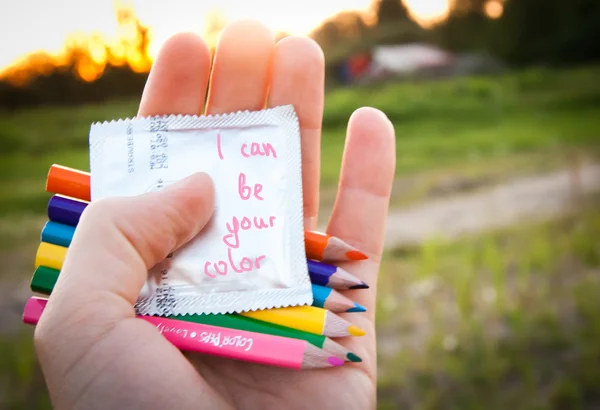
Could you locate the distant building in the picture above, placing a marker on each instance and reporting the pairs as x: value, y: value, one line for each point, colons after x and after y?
x: 408, y: 58
x: 416, y: 59
x: 355, y: 67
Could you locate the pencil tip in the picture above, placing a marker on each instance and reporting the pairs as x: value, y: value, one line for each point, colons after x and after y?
x: 363, y: 285
x: 356, y: 255
x: 335, y: 361
x: 357, y: 308
x: 353, y: 358
x: 356, y: 331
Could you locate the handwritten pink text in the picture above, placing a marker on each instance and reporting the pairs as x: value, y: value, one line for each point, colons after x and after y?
x: 247, y: 191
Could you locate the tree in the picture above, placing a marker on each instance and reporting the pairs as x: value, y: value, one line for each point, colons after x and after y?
x: 464, y: 29
x: 351, y: 24
x: 328, y: 34
x: 468, y: 6
x: 550, y: 31
x: 390, y: 11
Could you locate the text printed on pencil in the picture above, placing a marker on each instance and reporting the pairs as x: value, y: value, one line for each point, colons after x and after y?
x: 213, y: 338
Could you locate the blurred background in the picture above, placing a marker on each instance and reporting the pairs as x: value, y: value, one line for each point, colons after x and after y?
x: 489, y: 294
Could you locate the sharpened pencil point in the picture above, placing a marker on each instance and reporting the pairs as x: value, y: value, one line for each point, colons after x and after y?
x: 356, y: 331
x: 356, y: 256
x: 353, y: 358
x: 357, y: 308
x: 361, y: 286
x: 335, y: 361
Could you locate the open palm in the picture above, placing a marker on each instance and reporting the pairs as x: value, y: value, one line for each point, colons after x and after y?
x: 249, y: 72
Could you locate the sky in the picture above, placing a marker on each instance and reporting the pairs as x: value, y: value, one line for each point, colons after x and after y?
x: 31, y: 25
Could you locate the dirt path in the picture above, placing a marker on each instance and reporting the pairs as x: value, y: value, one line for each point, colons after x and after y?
x: 531, y: 198
x: 526, y: 199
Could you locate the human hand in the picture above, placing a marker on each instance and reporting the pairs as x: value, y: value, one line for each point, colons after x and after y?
x: 94, y: 353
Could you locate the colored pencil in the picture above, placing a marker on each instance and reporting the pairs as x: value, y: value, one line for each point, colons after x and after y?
x: 56, y: 237
x: 68, y: 182
x: 57, y: 233
x: 224, y: 342
x: 320, y: 273
x: 235, y: 321
x: 326, y: 248
x: 44, y: 279
x: 74, y: 183
x: 333, y: 277
x: 333, y: 300
x: 308, y: 319
x: 49, y: 254
x: 65, y: 210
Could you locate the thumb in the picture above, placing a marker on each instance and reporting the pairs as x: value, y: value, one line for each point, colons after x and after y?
x: 87, y: 326
x: 118, y: 239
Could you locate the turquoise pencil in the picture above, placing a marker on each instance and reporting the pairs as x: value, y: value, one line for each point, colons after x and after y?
x: 61, y: 235
x: 334, y: 301
x: 57, y: 233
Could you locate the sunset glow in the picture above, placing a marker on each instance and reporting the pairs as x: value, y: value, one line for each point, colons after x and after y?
x: 428, y: 11
x: 494, y: 9
x: 50, y: 32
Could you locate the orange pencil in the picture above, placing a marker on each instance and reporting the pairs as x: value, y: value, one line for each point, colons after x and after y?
x: 68, y: 182
x: 327, y: 248
x: 319, y: 246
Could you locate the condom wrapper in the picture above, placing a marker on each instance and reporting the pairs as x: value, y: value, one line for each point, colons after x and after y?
x: 251, y: 255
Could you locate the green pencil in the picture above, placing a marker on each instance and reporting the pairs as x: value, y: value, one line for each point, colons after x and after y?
x: 44, y: 279
x: 235, y: 321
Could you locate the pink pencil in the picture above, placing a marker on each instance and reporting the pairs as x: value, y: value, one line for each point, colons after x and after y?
x: 218, y: 341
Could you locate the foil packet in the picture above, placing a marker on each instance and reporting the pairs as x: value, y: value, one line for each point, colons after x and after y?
x: 251, y: 255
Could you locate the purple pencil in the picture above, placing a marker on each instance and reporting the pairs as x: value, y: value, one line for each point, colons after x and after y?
x: 333, y: 277
x: 65, y: 210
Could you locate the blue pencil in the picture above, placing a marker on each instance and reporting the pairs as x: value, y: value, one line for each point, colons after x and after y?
x: 57, y: 233
x: 334, y: 301
x: 62, y: 235
x: 333, y: 277
x: 320, y: 273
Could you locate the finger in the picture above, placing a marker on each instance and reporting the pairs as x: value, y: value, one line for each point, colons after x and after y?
x: 118, y: 239
x: 360, y: 212
x: 367, y: 174
x: 89, y: 320
x: 298, y: 78
x: 361, y: 206
x: 179, y: 77
x: 240, y: 74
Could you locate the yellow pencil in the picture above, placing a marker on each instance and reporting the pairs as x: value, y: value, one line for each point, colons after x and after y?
x: 50, y: 256
x: 309, y: 319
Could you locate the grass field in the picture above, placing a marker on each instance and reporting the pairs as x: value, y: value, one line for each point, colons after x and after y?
x: 499, y: 320
x: 463, y: 126
x: 508, y: 319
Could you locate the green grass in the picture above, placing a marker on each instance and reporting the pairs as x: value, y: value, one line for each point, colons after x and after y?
x: 440, y: 125
x: 507, y: 319
x: 500, y: 320
x: 476, y: 119
x: 22, y: 384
